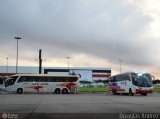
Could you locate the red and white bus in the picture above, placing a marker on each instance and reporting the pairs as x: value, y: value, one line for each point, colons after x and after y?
x: 133, y: 82
x: 42, y: 83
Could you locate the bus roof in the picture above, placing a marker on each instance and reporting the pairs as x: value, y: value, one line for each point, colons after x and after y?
x: 45, y: 75
x: 133, y: 71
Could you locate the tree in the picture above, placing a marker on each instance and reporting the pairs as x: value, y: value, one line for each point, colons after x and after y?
x: 89, y: 83
x: 83, y: 82
x: 97, y: 81
x: 157, y: 81
x: 105, y: 82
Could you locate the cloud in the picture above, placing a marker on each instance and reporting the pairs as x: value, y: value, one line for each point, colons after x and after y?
x: 106, y: 30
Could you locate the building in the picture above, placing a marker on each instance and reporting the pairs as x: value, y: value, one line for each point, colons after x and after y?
x: 89, y: 74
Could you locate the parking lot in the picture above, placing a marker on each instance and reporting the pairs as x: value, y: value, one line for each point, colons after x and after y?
x: 95, y: 103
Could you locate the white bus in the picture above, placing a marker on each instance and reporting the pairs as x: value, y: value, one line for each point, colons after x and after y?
x: 2, y: 80
x: 42, y: 83
x: 131, y: 82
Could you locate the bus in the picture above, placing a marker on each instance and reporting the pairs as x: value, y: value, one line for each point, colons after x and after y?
x: 133, y: 82
x: 2, y: 80
x: 42, y: 83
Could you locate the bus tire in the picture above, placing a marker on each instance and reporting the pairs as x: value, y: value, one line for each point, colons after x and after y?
x: 57, y: 91
x: 64, y: 91
x: 114, y: 91
x: 144, y: 94
x: 19, y: 90
x: 130, y: 92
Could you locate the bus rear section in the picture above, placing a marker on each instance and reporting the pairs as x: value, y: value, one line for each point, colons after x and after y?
x: 131, y: 83
x: 30, y: 83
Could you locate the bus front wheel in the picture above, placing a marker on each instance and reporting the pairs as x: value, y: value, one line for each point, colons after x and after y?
x: 19, y: 90
x: 114, y: 91
x: 144, y: 94
x: 130, y: 92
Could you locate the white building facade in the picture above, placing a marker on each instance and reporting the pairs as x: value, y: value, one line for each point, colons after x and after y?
x: 89, y: 74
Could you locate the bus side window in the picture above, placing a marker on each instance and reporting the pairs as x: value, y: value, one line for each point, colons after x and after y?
x: 58, y: 79
x: 21, y: 79
x: 127, y: 77
x: 67, y: 79
x: 29, y: 78
x: 42, y: 79
x: 54, y: 79
x: 112, y: 79
x: 36, y: 79
x: 64, y: 79
x: 74, y: 79
x: 49, y: 79
x: 120, y: 78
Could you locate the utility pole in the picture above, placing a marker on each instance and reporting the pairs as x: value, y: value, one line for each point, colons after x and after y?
x: 7, y: 65
x: 40, y: 61
x: 120, y: 63
x: 17, y: 54
x: 68, y: 58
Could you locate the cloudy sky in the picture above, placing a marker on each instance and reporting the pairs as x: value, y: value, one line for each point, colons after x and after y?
x: 93, y: 33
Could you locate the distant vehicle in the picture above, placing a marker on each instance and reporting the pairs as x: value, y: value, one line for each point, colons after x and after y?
x: 42, y: 83
x: 132, y: 83
x: 2, y: 80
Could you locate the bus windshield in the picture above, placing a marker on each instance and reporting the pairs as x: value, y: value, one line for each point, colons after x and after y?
x: 10, y: 80
x: 141, y: 80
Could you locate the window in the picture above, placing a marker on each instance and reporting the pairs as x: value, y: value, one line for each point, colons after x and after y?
x: 21, y: 79
x: 61, y: 79
x: 26, y: 79
x: 72, y: 79
x: 46, y: 79
x: 122, y: 77
x: 127, y: 76
x: 11, y: 80
x: 112, y: 79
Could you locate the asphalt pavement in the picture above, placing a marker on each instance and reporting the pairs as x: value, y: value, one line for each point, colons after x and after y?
x: 92, y: 105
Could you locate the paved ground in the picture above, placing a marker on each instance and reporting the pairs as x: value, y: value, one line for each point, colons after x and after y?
x: 31, y: 104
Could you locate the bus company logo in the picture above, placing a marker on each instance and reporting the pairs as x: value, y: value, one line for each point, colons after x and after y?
x: 4, y: 115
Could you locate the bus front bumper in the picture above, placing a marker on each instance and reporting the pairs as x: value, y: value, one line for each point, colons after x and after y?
x: 142, y: 91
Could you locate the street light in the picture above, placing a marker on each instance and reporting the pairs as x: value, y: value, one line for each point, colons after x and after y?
x: 68, y: 58
x: 7, y: 65
x: 17, y: 54
x: 120, y: 62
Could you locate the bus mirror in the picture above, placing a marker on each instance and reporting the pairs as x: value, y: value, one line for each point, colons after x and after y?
x: 152, y: 77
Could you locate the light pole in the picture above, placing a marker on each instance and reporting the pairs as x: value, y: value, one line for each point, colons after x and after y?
x: 7, y: 65
x: 68, y: 58
x: 17, y: 54
x: 120, y: 63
